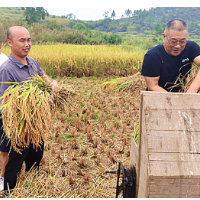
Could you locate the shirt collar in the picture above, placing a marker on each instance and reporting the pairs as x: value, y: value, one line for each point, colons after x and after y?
x: 15, y: 61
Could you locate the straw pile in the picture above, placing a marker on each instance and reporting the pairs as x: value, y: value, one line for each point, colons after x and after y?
x: 27, y: 113
x: 130, y: 83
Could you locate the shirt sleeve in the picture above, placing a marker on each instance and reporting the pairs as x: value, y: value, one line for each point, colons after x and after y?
x: 150, y: 66
x: 4, y: 77
x: 194, y: 50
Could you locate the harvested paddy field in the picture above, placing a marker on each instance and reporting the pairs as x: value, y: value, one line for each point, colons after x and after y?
x: 91, y: 134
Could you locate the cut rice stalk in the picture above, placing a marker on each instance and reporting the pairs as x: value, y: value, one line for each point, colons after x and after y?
x: 124, y: 83
x: 185, y: 81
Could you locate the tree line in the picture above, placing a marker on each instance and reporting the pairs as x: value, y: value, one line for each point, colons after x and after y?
x: 144, y: 21
x: 45, y: 34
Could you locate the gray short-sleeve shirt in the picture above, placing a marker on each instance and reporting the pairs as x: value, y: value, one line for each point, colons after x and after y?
x: 14, y: 71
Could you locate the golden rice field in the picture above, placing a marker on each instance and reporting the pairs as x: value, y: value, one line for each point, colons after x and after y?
x: 78, y: 60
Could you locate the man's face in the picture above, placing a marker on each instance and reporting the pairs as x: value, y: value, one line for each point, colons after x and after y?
x: 174, y: 42
x: 20, y: 42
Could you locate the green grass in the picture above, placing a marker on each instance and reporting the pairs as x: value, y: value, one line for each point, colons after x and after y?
x: 67, y: 137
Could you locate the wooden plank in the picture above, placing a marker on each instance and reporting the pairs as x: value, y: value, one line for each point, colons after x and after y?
x: 134, y: 162
x: 173, y: 168
x: 174, y: 180
x: 159, y: 100
x: 134, y: 154
x: 173, y: 141
x: 143, y: 157
x: 173, y: 119
x: 175, y: 157
x: 176, y: 187
x: 173, y: 196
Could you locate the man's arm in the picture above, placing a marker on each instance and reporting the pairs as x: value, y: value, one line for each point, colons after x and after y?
x: 194, y: 87
x: 152, y: 84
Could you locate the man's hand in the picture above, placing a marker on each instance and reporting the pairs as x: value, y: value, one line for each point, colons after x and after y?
x: 194, y: 87
x: 54, y: 86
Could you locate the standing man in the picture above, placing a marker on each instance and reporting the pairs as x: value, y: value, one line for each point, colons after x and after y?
x: 18, y: 68
x: 165, y: 62
x: 3, y: 57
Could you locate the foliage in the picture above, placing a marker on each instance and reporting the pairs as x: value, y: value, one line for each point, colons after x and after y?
x: 141, y: 20
x: 34, y: 14
x: 52, y: 32
x: 136, y: 135
x: 128, y: 12
x: 105, y: 14
x: 113, y: 15
x: 66, y: 29
x: 70, y: 16
x: 79, y: 26
x: 152, y: 20
x: 159, y: 27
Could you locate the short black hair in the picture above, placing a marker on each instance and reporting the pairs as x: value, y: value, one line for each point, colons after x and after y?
x: 8, y: 34
x: 176, y: 24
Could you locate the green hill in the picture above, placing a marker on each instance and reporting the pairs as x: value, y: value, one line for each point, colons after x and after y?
x: 139, y: 21
x: 142, y: 22
x: 11, y: 13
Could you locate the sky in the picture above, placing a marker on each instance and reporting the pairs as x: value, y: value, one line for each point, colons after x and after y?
x: 90, y: 13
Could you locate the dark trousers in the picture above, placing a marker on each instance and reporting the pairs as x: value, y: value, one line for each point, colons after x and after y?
x: 29, y: 155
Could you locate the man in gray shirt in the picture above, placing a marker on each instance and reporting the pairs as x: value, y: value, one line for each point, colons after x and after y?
x: 17, y: 69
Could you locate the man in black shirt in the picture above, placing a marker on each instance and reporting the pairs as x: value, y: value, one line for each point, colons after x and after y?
x: 165, y: 62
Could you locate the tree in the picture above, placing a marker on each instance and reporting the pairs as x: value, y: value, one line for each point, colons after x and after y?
x: 113, y: 15
x: 193, y: 27
x: 53, y: 24
x: 159, y: 27
x: 128, y: 12
x: 105, y: 14
x: 79, y: 26
x: 34, y: 14
x: 70, y: 16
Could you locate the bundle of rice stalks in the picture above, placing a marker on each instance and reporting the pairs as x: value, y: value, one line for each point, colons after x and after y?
x: 27, y: 113
x: 185, y: 81
x: 125, y: 83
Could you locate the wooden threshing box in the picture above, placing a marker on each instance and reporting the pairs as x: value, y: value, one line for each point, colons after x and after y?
x: 167, y: 159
